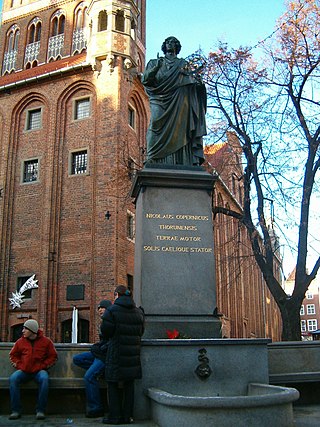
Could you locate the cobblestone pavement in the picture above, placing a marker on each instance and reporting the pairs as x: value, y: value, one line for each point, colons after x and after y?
x: 305, y: 416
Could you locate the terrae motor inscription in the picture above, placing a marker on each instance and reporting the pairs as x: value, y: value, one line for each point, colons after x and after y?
x: 174, y: 232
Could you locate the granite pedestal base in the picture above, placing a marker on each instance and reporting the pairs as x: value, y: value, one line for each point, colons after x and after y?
x: 174, y: 255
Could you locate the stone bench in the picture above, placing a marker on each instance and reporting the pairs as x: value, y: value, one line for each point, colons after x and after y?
x: 297, y: 364
x: 294, y: 377
x: 66, y: 384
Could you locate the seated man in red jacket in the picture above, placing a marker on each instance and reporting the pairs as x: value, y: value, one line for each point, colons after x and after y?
x: 31, y: 355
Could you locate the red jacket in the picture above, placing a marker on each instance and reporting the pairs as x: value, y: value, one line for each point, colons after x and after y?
x: 33, y: 356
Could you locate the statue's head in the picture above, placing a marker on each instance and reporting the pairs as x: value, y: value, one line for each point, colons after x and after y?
x: 176, y: 43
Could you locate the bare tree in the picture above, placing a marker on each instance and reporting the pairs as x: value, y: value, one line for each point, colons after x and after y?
x: 274, y: 110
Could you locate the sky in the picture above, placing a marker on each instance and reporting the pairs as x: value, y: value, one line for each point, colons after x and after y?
x: 201, y: 23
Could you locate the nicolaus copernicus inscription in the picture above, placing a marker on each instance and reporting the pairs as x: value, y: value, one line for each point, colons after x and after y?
x: 178, y: 233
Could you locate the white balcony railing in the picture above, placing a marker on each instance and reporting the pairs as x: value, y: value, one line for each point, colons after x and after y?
x: 55, y: 47
x: 9, y: 61
x: 32, y: 52
x: 79, y: 41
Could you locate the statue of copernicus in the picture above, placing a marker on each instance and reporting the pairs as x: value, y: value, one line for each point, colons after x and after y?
x: 178, y: 103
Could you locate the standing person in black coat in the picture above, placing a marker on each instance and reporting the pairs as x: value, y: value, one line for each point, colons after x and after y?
x: 123, y: 325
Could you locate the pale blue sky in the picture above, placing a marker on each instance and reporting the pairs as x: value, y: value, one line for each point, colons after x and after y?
x: 201, y: 23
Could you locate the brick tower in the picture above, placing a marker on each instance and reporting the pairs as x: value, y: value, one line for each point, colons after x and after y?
x: 73, y: 119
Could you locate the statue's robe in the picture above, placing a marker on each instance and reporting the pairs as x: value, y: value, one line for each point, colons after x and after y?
x: 178, y: 106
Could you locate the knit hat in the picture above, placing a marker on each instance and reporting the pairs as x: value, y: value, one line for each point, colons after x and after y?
x: 105, y: 303
x: 32, y: 325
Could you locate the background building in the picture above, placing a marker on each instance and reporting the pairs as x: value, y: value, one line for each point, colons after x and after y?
x: 310, y: 308
x: 73, y: 120
x: 248, y: 309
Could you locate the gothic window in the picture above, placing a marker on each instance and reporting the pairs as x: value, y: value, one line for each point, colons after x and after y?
x: 120, y: 21
x: 83, y: 331
x: 79, y: 41
x: 16, y: 332
x: 102, y: 21
x: 33, y: 120
x: 133, y: 28
x: 56, y: 40
x: 81, y: 108
x: 130, y: 225
x: 33, y: 46
x: 30, y: 170
x: 131, y: 117
x: 79, y: 162
x: 10, y: 56
x: 57, y: 23
x: 35, y: 30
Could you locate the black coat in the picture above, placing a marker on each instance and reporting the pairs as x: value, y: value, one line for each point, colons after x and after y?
x: 123, y: 325
x: 99, y: 349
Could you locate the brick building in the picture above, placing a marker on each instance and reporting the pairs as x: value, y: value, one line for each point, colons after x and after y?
x: 73, y: 119
x: 310, y: 308
x: 249, y: 310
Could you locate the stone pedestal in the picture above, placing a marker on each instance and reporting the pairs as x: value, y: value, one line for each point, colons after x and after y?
x: 174, y: 255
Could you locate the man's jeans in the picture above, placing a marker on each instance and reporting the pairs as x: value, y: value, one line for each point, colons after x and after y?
x: 18, y: 377
x: 95, y: 367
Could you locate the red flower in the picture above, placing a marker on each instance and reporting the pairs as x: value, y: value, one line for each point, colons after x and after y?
x: 173, y: 334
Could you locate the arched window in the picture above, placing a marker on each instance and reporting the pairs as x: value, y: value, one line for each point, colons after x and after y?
x: 133, y: 28
x: 10, y: 56
x: 34, y: 31
x: 102, y: 20
x: 33, y: 46
x: 83, y: 331
x: 120, y: 20
x: 16, y: 332
x: 56, y: 40
x: 57, y: 23
x: 79, y: 40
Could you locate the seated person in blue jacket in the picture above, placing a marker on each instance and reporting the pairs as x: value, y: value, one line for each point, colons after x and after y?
x: 94, y: 362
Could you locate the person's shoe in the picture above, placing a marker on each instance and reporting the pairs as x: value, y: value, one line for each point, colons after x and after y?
x: 110, y: 421
x: 40, y: 415
x: 14, y: 416
x: 95, y: 414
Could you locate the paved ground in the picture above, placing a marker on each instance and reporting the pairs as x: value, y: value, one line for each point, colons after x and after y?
x: 305, y: 416
x: 61, y: 421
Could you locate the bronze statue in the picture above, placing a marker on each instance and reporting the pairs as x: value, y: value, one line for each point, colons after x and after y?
x: 178, y: 105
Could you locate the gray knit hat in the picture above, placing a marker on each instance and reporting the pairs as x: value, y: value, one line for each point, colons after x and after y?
x: 105, y: 303
x: 32, y: 325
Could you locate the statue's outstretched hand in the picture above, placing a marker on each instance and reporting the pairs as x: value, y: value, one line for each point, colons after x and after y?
x: 159, y: 61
